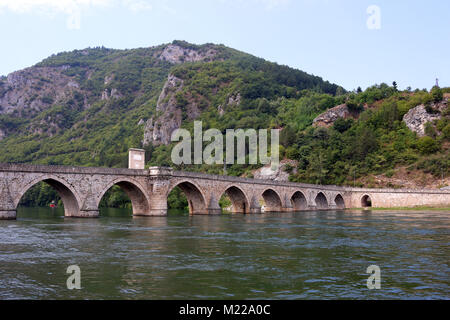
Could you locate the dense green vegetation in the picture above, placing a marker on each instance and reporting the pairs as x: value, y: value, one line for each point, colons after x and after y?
x: 270, y: 96
x: 376, y: 142
x: 40, y: 195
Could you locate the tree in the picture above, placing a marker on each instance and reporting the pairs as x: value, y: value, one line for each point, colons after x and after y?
x: 430, y: 130
x: 265, y: 107
x: 341, y: 125
x: 437, y: 94
x: 354, y: 107
x: 394, y: 84
x: 287, y: 136
x: 340, y: 91
x: 428, y: 145
x: 364, y: 142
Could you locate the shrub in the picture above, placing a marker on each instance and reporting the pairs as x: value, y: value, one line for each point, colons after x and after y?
x: 446, y: 112
x: 341, y: 125
x: 430, y: 109
x: 442, y: 123
x: 390, y: 173
x: 288, y: 168
x: 47, y: 100
x: 428, y: 145
x: 446, y: 132
x: 430, y: 130
x: 354, y: 107
x: 437, y: 94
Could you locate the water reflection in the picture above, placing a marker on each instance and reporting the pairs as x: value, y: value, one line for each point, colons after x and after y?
x: 302, y: 255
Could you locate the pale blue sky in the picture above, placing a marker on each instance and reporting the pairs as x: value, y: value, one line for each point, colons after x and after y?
x: 327, y: 38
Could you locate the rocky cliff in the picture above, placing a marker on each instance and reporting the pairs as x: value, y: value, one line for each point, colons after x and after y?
x: 32, y: 90
x: 174, y: 53
x: 282, y: 173
x: 327, y: 118
x: 86, y: 107
x: 417, y: 118
x: 158, y: 131
x: 92, y: 76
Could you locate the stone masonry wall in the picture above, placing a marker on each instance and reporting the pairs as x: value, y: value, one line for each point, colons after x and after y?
x: 82, y: 189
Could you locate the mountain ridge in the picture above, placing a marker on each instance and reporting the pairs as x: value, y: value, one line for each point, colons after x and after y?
x: 80, y: 78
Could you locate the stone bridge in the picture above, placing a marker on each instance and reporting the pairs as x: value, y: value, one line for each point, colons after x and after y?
x: 81, y: 190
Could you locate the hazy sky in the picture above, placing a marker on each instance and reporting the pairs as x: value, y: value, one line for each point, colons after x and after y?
x: 331, y: 38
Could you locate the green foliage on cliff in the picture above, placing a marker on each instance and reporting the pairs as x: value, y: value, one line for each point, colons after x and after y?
x: 375, y: 143
x: 101, y: 134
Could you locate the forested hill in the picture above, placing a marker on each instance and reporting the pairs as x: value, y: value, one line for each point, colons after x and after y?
x: 88, y: 107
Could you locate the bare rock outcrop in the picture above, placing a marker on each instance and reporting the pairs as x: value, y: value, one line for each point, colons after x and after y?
x: 418, y: 117
x: 111, y: 94
x: 266, y: 172
x: 172, y: 108
x: 221, y: 110
x: 233, y: 100
x: 167, y: 97
x: 35, y: 89
x: 327, y: 118
x: 177, y: 54
x: 159, y: 131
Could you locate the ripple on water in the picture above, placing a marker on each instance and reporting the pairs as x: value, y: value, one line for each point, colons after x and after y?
x: 272, y: 256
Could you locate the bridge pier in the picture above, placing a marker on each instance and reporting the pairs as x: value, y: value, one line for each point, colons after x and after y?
x: 255, y: 207
x: 272, y: 209
x: 255, y: 210
x: 213, y: 207
x: 7, y: 208
x: 157, y: 206
x: 8, y: 214
x: 84, y: 214
x: 155, y: 212
x: 199, y: 213
x: 214, y: 211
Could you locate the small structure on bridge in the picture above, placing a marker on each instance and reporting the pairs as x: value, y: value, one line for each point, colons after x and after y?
x: 136, y: 159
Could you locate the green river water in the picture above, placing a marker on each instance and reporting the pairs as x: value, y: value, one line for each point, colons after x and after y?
x: 304, y: 255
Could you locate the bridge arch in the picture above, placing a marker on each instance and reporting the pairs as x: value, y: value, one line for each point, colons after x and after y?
x: 339, y: 201
x: 69, y: 196
x: 239, y: 200
x: 298, y: 201
x: 366, y: 201
x: 194, y: 195
x: 272, y: 201
x: 139, y: 199
x: 321, y: 201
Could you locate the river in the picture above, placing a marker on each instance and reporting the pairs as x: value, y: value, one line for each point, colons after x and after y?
x: 305, y: 255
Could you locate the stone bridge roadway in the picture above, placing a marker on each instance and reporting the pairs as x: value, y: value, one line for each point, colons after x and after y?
x: 81, y: 190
